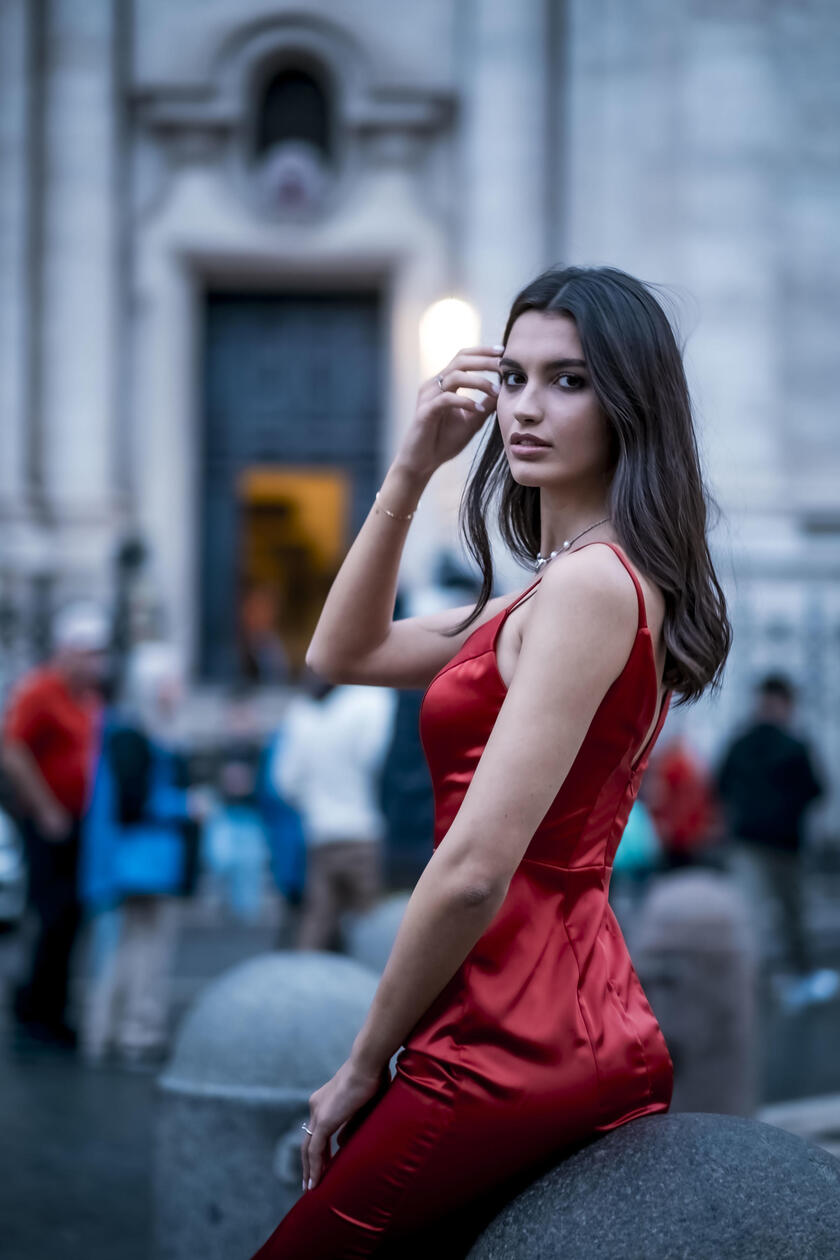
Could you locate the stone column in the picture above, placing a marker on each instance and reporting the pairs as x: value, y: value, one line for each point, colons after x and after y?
x: 504, y: 190
x: 14, y: 297
x: 504, y: 174
x: 79, y: 320
x: 674, y: 143
x: 806, y: 39
x: 731, y: 110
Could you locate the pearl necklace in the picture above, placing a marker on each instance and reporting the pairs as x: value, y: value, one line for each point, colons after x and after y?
x: 541, y: 559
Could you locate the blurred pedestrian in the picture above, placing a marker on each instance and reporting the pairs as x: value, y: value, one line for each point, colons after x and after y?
x: 329, y: 766
x: 766, y: 780
x: 407, y: 798
x: 680, y: 794
x: 263, y: 654
x: 284, y: 833
x: 135, y: 860
x: 638, y: 858
x: 639, y: 853
x: 49, y: 733
x: 236, y: 841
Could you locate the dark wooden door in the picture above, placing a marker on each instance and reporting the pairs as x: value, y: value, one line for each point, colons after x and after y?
x: 292, y: 381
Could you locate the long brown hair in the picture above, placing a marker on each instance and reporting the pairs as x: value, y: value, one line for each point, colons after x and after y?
x: 658, y: 500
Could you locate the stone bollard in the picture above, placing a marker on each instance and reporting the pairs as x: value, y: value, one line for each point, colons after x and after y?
x: 677, y: 1187
x: 249, y: 1052
x: 694, y: 954
x: 369, y: 937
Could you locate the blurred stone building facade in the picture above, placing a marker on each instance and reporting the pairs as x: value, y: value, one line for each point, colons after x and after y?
x: 222, y: 220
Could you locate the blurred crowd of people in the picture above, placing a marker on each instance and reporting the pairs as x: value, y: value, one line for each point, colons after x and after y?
x: 747, y: 810
x: 116, y: 835
x: 327, y: 812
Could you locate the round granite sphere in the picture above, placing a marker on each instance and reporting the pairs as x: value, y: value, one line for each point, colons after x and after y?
x: 258, y: 1041
x: 282, y: 1021
x: 370, y: 937
x: 691, y: 1186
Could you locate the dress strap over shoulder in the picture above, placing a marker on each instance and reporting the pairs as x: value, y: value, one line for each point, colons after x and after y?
x: 618, y: 551
x: 521, y: 598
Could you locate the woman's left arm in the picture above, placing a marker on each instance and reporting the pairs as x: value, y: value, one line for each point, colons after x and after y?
x: 576, y: 643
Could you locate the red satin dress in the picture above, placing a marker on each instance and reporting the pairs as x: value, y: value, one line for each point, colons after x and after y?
x: 543, y: 1039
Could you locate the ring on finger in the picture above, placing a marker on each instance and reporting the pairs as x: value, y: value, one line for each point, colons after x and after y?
x: 308, y: 1130
x: 439, y: 380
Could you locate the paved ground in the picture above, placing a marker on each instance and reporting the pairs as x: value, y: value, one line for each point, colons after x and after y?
x: 77, y: 1142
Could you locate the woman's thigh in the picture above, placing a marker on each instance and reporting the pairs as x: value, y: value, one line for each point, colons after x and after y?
x: 414, y: 1172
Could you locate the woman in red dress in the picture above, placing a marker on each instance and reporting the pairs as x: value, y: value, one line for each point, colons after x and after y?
x: 522, y: 1028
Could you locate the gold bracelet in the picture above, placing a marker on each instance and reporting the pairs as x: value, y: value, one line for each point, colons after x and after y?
x: 382, y: 508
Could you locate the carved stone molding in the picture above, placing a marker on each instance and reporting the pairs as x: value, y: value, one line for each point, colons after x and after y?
x: 377, y: 119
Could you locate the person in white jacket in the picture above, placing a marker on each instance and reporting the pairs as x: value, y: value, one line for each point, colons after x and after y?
x: 328, y: 767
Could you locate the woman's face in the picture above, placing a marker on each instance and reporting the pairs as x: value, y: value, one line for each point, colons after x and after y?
x: 546, y: 391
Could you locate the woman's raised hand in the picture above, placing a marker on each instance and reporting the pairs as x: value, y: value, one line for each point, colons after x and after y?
x: 446, y: 421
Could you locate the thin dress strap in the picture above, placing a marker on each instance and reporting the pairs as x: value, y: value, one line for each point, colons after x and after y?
x: 595, y: 542
x: 519, y: 599
x: 660, y: 706
x: 618, y: 551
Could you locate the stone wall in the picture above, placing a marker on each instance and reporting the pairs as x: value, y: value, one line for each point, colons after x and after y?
x: 694, y: 145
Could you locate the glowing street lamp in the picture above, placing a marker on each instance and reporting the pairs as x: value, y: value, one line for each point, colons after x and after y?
x: 445, y: 327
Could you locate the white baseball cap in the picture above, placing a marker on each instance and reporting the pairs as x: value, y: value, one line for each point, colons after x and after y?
x: 83, y: 627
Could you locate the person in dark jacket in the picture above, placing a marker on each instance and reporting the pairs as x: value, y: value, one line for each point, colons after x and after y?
x: 767, y: 779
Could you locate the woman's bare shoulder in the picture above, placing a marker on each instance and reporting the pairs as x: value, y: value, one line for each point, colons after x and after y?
x: 600, y: 581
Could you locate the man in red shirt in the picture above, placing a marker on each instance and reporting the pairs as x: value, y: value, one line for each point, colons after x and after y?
x: 48, y: 740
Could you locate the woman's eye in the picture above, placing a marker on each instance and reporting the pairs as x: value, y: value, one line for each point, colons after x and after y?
x: 575, y: 382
